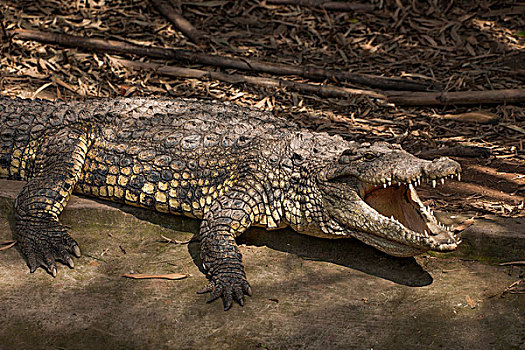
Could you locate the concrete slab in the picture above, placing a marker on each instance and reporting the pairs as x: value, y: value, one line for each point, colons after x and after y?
x: 490, y: 238
x: 308, y: 293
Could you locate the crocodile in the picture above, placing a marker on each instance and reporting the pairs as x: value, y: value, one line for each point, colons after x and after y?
x: 230, y: 166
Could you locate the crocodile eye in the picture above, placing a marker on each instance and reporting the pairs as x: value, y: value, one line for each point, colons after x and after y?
x: 369, y: 156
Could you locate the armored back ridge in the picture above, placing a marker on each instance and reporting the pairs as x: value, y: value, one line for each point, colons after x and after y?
x: 230, y: 166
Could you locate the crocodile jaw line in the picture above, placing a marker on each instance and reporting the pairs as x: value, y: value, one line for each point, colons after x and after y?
x: 397, y: 222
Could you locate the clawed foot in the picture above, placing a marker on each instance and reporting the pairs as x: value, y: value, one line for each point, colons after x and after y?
x: 44, y: 244
x: 229, y: 286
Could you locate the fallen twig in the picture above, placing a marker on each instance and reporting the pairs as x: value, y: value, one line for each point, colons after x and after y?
x: 327, y: 5
x: 522, y: 262
x: 514, y: 127
x: 167, y: 276
x: 114, y: 46
x: 514, y: 288
x: 166, y: 9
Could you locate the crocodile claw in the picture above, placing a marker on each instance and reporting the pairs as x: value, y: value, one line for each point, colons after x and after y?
x: 215, y: 294
x: 52, y: 269
x: 43, y: 246
x: 76, y: 250
x: 207, y: 288
x: 69, y: 262
x: 229, y: 288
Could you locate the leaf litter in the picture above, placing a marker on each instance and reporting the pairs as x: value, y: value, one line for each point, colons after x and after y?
x: 457, y: 46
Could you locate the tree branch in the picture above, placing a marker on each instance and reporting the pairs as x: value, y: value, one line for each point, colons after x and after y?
x: 120, y: 47
x: 166, y: 9
x: 407, y: 98
x: 327, y: 5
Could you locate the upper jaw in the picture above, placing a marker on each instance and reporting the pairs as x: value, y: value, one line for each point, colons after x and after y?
x: 419, y: 171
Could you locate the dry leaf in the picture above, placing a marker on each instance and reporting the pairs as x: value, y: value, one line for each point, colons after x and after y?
x: 470, y: 302
x: 123, y: 90
x: 174, y: 241
x: 7, y: 244
x: 464, y: 225
x: 481, y: 117
x: 167, y: 276
x: 515, y: 128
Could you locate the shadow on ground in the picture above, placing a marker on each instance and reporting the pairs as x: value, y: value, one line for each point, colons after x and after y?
x: 309, y: 293
x: 345, y: 252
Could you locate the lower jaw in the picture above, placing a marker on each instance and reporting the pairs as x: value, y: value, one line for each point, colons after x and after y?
x: 388, y: 246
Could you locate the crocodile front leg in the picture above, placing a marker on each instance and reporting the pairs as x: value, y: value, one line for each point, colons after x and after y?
x: 40, y: 236
x: 226, y: 219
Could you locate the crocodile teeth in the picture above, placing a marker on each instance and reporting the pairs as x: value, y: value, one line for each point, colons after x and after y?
x: 459, y: 177
x: 434, y: 183
x: 384, y: 186
x: 442, y: 181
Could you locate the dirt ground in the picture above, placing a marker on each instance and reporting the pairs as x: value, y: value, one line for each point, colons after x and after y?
x: 309, y: 293
x: 456, y: 46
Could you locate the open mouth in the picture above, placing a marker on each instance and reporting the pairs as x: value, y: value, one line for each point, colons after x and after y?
x: 399, y: 207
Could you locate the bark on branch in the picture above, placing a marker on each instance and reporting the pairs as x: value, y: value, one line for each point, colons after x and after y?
x: 181, y: 72
x: 120, y: 47
x: 327, y: 5
x: 399, y: 98
x: 456, y: 98
x: 165, y: 8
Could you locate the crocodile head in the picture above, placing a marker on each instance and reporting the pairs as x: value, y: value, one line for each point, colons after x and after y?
x: 369, y: 192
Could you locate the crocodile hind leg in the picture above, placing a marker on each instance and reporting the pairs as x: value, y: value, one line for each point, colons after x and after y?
x: 227, y: 218
x: 40, y: 236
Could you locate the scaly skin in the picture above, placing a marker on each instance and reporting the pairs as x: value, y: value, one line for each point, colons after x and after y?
x: 232, y: 167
